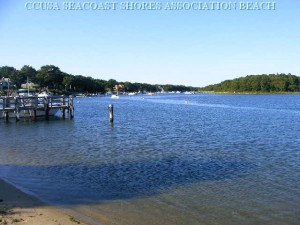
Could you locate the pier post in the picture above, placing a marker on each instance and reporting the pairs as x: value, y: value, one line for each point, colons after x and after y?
x: 6, y: 116
x: 71, y: 113
x: 17, y: 109
x: 111, y: 113
x: 46, y: 108
x: 71, y: 107
x: 36, y: 103
x: 17, y: 115
x: 63, y: 108
x: 34, y: 114
x: 6, y: 103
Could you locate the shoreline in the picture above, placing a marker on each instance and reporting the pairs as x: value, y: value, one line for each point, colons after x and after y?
x: 17, y: 207
x: 250, y: 93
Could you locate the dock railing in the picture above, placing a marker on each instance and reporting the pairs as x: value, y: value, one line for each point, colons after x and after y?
x: 17, y: 106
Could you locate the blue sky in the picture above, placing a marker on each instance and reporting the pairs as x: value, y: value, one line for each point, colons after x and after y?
x: 189, y: 47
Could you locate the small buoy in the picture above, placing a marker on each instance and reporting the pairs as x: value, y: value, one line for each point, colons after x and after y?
x: 186, y: 102
x: 78, y: 101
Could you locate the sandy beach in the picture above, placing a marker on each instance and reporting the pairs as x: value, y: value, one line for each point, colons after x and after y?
x: 17, y: 207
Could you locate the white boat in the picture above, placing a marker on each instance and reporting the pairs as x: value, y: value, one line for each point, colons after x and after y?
x: 80, y: 96
x: 115, y: 96
x: 132, y: 93
x: 189, y: 93
x: 44, y: 94
x: 26, y: 93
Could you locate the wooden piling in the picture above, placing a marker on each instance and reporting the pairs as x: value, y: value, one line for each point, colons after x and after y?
x: 17, y: 115
x: 17, y: 111
x: 47, y: 109
x: 63, y: 108
x: 111, y: 113
x: 6, y: 102
x: 34, y: 114
x: 36, y: 103
x: 71, y: 107
x: 6, y: 116
x: 71, y: 113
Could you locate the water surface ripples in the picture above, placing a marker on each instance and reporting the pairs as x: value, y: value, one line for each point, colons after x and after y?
x: 168, y: 159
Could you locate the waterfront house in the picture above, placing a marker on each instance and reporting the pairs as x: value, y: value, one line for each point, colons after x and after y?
x: 5, y: 84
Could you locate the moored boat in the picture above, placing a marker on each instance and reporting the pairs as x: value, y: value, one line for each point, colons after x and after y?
x: 115, y: 96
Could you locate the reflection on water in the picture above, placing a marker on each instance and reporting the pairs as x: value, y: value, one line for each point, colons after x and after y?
x: 80, y: 183
x: 168, y: 159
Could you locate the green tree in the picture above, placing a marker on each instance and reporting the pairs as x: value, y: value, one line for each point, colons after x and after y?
x: 13, y: 74
x: 50, y: 76
x: 28, y: 71
x: 111, y: 84
x: 68, y: 82
x: 6, y: 71
x: 258, y: 83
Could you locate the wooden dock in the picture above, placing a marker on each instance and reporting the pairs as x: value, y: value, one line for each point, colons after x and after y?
x: 34, y: 106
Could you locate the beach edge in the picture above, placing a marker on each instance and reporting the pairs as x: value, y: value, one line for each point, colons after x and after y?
x: 21, y: 208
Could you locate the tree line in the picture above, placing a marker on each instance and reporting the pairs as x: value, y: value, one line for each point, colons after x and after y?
x: 54, y: 79
x: 271, y: 83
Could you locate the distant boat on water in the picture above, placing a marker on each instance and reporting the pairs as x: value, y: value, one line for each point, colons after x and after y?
x: 116, y: 96
x: 80, y: 96
x: 132, y: 93
x: 189, y: 92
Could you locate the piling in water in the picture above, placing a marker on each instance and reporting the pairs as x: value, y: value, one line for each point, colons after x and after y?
x: 111, y: 113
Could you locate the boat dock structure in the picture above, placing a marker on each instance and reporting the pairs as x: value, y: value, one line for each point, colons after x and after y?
x: 35, y: 106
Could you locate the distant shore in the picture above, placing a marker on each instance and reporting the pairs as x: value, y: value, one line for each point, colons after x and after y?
x: 17, y: 207
x: 256, y: 93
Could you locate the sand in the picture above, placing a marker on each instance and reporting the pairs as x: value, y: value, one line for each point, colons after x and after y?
x: 19, y: 208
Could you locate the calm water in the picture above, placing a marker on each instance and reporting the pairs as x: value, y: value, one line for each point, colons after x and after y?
x: 168, y: 159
